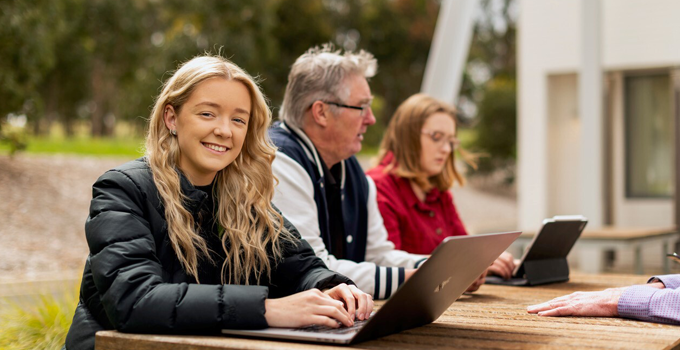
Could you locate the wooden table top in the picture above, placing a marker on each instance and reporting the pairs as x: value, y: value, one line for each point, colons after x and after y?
x: 493, y: 317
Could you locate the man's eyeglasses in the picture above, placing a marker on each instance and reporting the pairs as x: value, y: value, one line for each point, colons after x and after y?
x: 363, y: 108
x: 441, y: 138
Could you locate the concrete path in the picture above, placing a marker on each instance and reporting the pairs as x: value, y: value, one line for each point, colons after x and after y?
x: 481, y: 212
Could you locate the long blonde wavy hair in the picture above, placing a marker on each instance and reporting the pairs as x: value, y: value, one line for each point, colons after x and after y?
x: 243, y: 190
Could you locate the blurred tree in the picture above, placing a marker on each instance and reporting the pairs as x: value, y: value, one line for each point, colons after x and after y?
x: 496, y: 129
x: 27, y: 47
x: 488, y: 94
x: 398, y: 33
x: 101, y: 61
x: 117, y: 42
x: 63, y: 86
x: 298, y: 26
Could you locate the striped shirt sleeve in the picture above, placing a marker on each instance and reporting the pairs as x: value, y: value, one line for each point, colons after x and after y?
x: 383, y: 270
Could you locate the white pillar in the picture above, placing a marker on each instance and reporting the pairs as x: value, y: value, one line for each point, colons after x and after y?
x: 591, y: 112
x: 449, y: 50
x: 532, y: 121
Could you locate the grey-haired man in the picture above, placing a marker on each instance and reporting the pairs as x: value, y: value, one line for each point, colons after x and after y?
x: 322, y: 188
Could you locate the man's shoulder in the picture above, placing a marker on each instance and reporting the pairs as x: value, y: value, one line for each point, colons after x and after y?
x: 285, y: 141
x: 278, y: 133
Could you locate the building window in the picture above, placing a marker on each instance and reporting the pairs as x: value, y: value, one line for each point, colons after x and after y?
x: 649, y: 137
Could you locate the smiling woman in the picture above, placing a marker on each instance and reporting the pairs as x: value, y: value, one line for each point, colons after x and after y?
x: 210, y: 128
x: 186, y: 239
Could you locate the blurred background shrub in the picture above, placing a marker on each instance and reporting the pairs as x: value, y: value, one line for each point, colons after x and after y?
x: 87, y: 67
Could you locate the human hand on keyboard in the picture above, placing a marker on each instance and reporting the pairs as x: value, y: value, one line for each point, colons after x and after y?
x: 311, y: 307
x: 356, y: 302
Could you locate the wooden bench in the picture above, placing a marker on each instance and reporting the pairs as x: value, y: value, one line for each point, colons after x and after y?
x: 593, y: 243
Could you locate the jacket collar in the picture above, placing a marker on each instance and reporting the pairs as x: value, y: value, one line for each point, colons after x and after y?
x: 405, y: 185
x: 310, y: 150
x: 196, y: 197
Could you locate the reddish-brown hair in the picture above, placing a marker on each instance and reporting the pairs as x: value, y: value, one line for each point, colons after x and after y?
x: 402, y: 138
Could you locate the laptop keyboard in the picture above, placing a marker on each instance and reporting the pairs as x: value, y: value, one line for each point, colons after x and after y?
x: 325, y: 329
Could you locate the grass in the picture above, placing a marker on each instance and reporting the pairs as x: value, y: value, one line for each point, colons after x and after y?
x: 83, y: 144
x: 41, y: 322
x: 130, y: 146
x: 119, y: 146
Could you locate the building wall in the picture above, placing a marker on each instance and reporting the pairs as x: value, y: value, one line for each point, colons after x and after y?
x: 564, y: 135
x: 544, y: 46
x: 640, y: 33
x: 635, y: 34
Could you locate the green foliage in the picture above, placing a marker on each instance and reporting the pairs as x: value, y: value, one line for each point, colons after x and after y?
x: 496, y: 131
x: 14, y: 134
x: 399, y: 34
x: 468, y: 138
x: 38, y: 323
x: 489, y: 83
x: 16, y: 139
x: 101, y: 61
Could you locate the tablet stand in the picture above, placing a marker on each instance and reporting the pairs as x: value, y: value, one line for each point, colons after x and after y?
x: 545, y: 271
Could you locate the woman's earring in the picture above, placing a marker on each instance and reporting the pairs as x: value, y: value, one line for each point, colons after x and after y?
x: 173, y: 132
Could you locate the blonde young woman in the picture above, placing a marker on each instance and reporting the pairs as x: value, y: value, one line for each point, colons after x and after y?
x: 185, y: 240
x: 416, y: 170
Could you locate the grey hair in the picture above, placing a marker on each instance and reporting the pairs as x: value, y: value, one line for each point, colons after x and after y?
x: 318, y: 75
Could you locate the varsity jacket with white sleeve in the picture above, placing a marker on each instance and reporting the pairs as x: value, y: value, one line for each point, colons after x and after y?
x: 371, y: 260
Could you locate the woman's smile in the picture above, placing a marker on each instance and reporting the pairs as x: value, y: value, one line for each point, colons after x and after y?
x: 219, y: 149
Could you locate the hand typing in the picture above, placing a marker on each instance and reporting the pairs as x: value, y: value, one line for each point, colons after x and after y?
x: 314, y: 307
x: 503, y: 266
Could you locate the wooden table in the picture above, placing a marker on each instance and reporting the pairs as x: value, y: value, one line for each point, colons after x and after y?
x: 592, y: 244
x: 493, y: 317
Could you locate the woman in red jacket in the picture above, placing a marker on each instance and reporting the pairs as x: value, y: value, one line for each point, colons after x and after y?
x: 416, y: 170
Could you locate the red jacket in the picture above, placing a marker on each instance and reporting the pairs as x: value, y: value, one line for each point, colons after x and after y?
x: 414, y: 226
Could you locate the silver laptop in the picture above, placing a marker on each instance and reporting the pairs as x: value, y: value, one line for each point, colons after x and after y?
x: 451, y: 269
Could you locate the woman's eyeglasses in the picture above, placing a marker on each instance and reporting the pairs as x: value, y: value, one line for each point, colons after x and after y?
x: 441, y: 138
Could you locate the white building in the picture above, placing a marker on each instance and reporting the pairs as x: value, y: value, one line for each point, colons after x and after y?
x: 599, y: 111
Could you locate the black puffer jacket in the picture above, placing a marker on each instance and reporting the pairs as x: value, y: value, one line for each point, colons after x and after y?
x: 133, y: 281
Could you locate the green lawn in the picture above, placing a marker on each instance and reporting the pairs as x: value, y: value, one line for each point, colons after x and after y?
x: 120, y: 146
x: 133, y: 147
